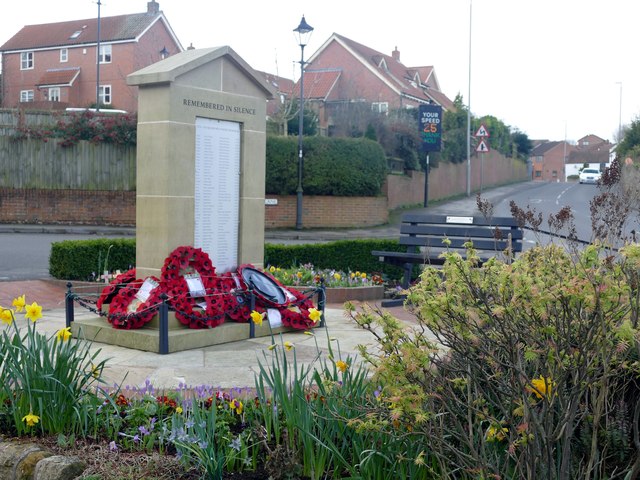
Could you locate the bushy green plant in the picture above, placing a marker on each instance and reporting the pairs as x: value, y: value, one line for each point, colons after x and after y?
x: 87, y: 259
x: 332, y: 166
x: 521, y: 370
x: 46, y: 382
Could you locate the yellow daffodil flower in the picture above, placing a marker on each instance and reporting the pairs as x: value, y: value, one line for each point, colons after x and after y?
x: 496, y: 434
x: 541, y: 387
x: 178, y: 410
x: 95, y: 371
x: 288, y: 345
x: 314, y: 315
x: 19, y: 303
x: 272, y: 269
x: 342, y: 366
x: 299, y: 274
x: 363, y: 275
x: 33, y: 311
x: 64, y: 334
x: 272, y: 346
x: 337, y: 276
x: 257, y: 317
x: 31, y: 419
x: 6, y: 315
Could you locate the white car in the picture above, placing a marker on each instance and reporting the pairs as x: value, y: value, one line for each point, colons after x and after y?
x: 589, y: 175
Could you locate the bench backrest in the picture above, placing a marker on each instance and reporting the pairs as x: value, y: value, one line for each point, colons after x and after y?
x: 494, y: 234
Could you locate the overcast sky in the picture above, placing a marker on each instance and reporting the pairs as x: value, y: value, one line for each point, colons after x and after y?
x: 553, y: 69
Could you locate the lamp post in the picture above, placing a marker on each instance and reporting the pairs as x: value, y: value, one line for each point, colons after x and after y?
x: 303, y: 32
x: 98, y: 63
x: 620, y: 115
x: 469, y: 112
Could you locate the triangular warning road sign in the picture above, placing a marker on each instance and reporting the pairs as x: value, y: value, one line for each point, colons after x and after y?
x: 482, y: 131
x: 483, y: 146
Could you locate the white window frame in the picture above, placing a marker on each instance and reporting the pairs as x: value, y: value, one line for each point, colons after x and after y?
x: 105, y: 94
x: 380, y: 107
x: 106, y: 53
x: 64, y: 55
x: 54, y: 94
x: 26, y: 96
x: 26, y: 60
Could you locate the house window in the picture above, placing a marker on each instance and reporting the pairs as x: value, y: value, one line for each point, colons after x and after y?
x: 75, y: 34
x: 538, y: 173
x: 380, y: 107
x: 54, y: 94
x: 64, y: 55
x: 105, y: 54
x: 26, y: 61
x: 26, y: 95
x: 104, y: 94
x: 554, y: 173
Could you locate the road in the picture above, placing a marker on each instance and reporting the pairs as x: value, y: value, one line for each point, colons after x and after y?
x: 25, y: 256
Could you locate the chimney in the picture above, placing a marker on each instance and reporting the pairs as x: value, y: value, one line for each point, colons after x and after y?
x: 396, y: 54
x: 153, y: 7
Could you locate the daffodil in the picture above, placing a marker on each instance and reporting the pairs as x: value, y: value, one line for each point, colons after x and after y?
x: 342, y: 366
x: 178, y: 410
x: 314, y: 315
x: 337, y: 276
x: 95, y: 371
x: 541, y: 387
x: 288, y: 345
x: 257, y: 317
x: 496, y: 433
x: 33, y: 311
x: 64, y: 334
x: 19, y: 303
x: 31, y: 419
x: 272, y: 346
x: 272, y: 269
x: 6, y: 315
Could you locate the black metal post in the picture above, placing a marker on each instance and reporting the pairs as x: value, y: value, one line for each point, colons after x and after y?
x: 68, y: 306
x: 322, y: 300
x: 252, y: 307
x: 426, y: 183
x: 98, y: 63
x: 300, y: 131
x: 163, y: 324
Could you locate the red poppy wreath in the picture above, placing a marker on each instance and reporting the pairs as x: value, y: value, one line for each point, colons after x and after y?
x: 108, y: 292
x: 185, y: 267
x: 135, y: 304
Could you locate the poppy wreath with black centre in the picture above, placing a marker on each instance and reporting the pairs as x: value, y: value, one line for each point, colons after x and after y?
x: 108, y: 292
x: 236, y: 302
x: 125, y: 314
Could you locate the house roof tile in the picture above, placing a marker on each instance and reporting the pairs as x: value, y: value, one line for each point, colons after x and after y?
x: 401, y: 77
x: 318, y: 83
x: 112, y: 29
x: 59, y: 76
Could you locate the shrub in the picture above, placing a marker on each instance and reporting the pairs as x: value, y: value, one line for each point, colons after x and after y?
x: 527, y: 370
x: 87, y: 259
x: 332, y: 166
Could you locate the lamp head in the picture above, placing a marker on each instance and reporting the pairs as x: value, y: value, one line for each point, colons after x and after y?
x: 303, y: 32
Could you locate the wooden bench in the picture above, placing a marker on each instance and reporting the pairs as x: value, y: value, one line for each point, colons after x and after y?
x: 423, y: 235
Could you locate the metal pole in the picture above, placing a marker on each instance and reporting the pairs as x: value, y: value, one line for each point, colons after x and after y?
x: 620, y: 116
x: 426, y: 183
x: 163, y: 325
x: 469, y: 113
x: 68, y: 304
x: 98, y: 64
x: 300, y: 129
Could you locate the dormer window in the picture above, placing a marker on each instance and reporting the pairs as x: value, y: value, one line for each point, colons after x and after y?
x: 75, y: 34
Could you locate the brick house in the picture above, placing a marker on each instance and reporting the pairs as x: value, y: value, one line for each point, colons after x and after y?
x: 548, y: 160
x: 557, y: 161
x: 54, y: 65
x: 342, y: 74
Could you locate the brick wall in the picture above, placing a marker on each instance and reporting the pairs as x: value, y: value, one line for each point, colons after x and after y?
x: 327, y: 212
x: 39, y: 206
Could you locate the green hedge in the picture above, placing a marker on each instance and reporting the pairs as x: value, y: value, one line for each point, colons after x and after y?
x: 81, y: 259
x: 343, y: 167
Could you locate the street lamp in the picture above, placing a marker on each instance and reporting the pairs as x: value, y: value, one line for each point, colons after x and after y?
x: 303, y: 32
